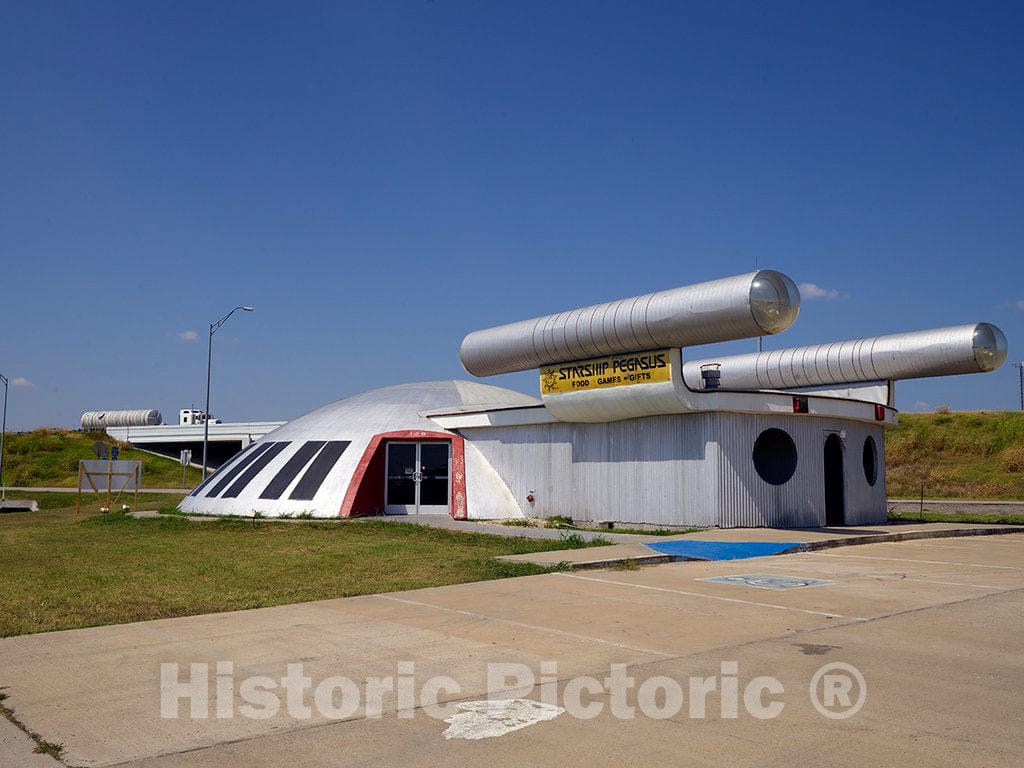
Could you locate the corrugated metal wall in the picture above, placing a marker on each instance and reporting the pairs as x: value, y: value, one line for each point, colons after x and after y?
x: 747, y: 500
x: 651, y: 470
x: 685, y: 469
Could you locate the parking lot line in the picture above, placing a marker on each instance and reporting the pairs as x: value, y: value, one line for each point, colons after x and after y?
x: 818, y: 575
x: 912, y: 560
x: 711, y: 597
x: 550, y: 630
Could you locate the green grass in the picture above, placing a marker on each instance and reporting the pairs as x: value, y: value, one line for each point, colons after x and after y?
x: 61, y: 571
x: 655, y: 531
x: 972, y: 455
x: 91, y: 502
x: 565, y: 523
x: 49, y: 457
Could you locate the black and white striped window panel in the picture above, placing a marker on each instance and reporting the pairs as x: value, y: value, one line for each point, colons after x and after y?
x: 292, y: 468
x: 314, y: 477
x: 225, y: 477
x: 254, y: 469
x: 216, y: 474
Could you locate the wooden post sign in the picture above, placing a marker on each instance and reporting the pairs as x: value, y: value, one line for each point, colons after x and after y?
x: 111, y: 477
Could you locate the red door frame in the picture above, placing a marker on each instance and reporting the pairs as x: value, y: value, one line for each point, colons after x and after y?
x: 361, y: 500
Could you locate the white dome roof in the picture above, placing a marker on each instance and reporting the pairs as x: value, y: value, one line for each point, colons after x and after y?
x: 395, y: 408
x: 307, y: 464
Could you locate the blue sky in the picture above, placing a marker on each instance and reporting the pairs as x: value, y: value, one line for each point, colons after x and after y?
x: 378, y: 179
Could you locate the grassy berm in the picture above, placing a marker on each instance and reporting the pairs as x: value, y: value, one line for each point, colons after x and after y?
x: 49, y: 457
x: 970, y: 455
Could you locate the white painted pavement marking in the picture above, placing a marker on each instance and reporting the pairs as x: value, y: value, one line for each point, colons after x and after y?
x: 944, y: 546
x: 487, y: 719
x: 711, y: 597
x: 952, y: 583
x: 912, y: 560
x: 866, y: 575
x: 537, y: 627
x: 1011, y: 540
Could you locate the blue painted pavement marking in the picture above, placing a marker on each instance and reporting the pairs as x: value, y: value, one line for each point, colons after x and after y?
x: 721, y: 550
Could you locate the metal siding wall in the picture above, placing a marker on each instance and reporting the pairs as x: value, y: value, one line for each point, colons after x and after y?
x: 683, y: 469
x: 748, y: 501
x: 865, y: 504
x: 651, y: 470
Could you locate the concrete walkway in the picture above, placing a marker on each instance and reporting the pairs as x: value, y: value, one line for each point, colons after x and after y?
x: 958, y: 506
x: 633, y: 547
x: 806, y: 539
x: 934, y: 628
x: 17, y: 749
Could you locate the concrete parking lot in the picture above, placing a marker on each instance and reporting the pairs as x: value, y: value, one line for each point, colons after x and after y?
x: 935, y: 628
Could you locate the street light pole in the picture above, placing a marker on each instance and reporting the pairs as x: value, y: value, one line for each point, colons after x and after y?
x: 209, y: 364
x: 3, y: 431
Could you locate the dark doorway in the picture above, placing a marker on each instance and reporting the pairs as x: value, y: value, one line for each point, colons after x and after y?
x: 835, y: 502
x: 418, y: 478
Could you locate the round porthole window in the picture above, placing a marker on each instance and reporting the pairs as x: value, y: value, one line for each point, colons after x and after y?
x: 774, y: 456
x: 870, y: 460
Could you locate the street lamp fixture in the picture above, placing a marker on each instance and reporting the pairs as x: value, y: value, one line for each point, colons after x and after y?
x: 214, y: 327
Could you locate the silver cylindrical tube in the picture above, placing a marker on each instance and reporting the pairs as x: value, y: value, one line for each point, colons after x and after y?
x: 755, y: 304
x: 973, y: 348
x: 139, y: 417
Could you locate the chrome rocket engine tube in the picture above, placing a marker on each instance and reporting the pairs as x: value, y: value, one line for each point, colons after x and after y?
x: 755, y: 304
x: 973, y: 348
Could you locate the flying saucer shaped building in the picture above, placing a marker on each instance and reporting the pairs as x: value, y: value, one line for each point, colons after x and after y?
x: 624, y: 430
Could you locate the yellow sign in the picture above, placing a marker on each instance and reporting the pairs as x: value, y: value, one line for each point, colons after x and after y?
x: 604, y: 372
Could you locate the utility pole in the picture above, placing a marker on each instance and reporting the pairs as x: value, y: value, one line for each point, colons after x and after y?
x: 3, y: 430
x: 209, y: 365
x: 1020, y: 369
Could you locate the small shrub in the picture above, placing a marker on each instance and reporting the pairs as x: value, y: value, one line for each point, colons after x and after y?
x: 69, y: 464
x: 52, y: 443
x: 23, y: 476
x: 558, y: 521
x: 943, y: 408
x: 574, y: 540
x: 560, y: 567
x: 1012, y: 458
x: 626, y: 565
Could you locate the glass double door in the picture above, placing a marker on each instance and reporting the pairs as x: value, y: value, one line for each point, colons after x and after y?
x: 418, y: 478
